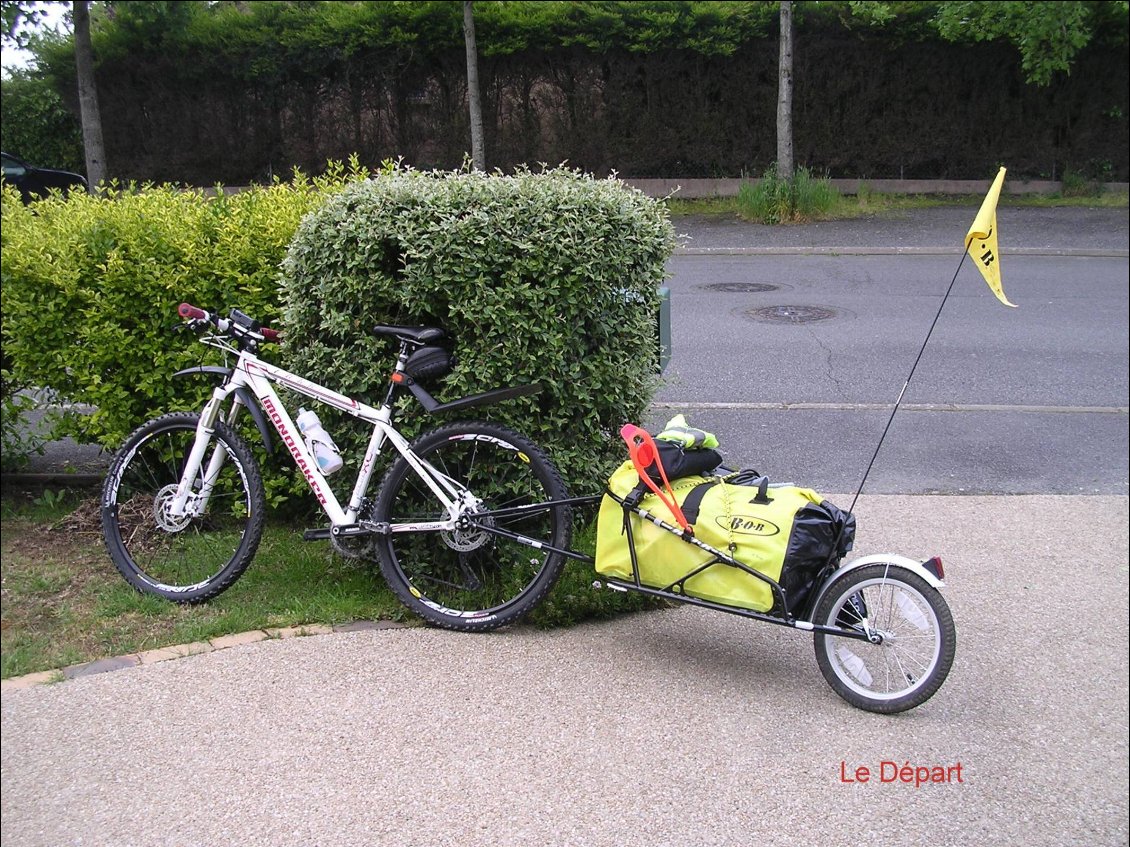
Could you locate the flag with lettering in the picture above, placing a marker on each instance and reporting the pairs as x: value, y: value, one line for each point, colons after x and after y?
x: 981, y: 240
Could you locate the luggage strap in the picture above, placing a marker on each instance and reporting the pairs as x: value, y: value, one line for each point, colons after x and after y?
x: 644, y: 454
x: 692, y: 503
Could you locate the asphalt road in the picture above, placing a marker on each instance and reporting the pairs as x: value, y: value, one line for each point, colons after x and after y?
x: 687, y: 727
x: 796, y: 361
x: 1009, y: 401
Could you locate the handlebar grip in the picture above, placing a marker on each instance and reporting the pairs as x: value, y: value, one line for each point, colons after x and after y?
x: 272, y: 336
x: 187, y: 310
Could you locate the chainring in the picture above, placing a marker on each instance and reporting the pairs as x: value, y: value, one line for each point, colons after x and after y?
x: 358, y: 546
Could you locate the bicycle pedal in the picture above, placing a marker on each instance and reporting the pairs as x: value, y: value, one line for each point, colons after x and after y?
x: 316, y: 535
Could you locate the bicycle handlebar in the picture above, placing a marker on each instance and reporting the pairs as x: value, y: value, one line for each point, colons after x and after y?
x: 187, y: 310
x: 190, y: 312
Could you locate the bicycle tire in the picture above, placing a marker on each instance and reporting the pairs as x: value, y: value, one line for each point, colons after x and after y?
x: 472, y: 580
x: 919, y: 639
x: 182, y: 559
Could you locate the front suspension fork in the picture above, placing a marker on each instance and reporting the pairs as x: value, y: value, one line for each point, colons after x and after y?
x: 192, y: 503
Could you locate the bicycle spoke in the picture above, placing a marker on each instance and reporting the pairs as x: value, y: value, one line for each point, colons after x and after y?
x: 467, y: 573
x: 914, y: 649
x: 192, y: 556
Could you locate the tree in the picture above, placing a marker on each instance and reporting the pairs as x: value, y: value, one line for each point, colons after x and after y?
x: 1047, y: 34
x: 88, y: 97
x: 474, y: 97
x: 18, y: 17
x: 785, y: 95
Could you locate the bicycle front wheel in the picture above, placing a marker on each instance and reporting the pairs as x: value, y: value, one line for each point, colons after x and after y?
x: 470, y: 578
x: 916, y: 635
x: 186, y: 558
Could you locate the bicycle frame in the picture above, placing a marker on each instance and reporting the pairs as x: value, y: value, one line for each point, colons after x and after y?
x: 258, y: 376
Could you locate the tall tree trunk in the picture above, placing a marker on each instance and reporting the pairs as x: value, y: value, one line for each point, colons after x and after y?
x: 88, y: 98
x: 474, y: 98
x: 785, y: 94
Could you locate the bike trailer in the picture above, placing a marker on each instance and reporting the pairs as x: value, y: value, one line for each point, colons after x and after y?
x: 786, y: 533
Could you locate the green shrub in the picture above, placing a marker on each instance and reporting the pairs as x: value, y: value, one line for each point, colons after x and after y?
x: 773, y: 200
x: 1076, y: 183
x: 19, y: 437
x: 91, y: 285
x: 538, y: 277
x: 37, y: 126
x: 546, y: 277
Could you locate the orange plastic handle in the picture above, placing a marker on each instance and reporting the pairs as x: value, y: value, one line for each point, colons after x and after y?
x: 644, y: 454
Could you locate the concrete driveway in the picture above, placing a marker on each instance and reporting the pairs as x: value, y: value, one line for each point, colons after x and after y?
x: 682, y: 727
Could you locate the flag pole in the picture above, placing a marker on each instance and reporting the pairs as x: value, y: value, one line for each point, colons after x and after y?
x: 909, y: 377
x: 984, y: 232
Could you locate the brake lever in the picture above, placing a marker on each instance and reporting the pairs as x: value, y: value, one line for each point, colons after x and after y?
x: 194, y: 325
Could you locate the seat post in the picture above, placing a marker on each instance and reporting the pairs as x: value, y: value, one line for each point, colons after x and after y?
x: 394, y: 382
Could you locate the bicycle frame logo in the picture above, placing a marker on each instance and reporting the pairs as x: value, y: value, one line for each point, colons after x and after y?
x: 292, y: 446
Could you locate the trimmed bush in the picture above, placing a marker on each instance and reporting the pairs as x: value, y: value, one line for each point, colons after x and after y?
x: 546, y: 277
x: 538, y: 277
x: 37, y: 126
x: 91, y: 285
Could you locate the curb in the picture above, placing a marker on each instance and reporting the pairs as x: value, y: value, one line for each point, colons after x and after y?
x: 1082, y: 252
x: 690, y: 188
x: 179, y: 651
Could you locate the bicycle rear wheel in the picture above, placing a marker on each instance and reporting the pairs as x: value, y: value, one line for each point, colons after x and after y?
x: 472, y: 579
x: 188, y: 558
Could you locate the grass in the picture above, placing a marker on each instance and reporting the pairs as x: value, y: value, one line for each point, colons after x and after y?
x: 63, y: 602
x: 847, y: 206
x: 773, y: 200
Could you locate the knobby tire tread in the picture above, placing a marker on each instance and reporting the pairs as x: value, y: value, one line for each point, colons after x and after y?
x: 550, y: 572
x: 252, y: 534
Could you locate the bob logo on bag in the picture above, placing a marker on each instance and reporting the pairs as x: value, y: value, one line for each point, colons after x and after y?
x: 745, y: 525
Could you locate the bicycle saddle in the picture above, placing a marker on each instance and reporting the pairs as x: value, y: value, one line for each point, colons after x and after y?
x: 413, y: 334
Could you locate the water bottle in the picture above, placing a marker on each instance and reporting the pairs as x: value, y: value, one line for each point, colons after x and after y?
x: 319, y: 442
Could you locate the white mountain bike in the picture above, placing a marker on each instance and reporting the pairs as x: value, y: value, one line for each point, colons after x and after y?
x: 471, y: 523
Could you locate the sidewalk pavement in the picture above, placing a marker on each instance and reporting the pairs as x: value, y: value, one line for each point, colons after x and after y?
x: 676, y: 727
x: 679, y: 727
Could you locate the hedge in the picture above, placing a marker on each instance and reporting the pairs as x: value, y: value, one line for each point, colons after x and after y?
x: 90, y: 286
x: 539, y: 277
x: 547, y: 277
x: 544, y: 277
x: 240, y: 91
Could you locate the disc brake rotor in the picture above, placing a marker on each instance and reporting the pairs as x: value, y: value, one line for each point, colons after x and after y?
x: 161, y: 505
x: 470, y: 534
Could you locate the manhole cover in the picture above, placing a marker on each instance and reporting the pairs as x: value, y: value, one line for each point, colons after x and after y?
x: 741, y: 287
x: 792, y: 314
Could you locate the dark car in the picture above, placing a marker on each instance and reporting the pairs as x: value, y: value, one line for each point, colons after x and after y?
x: 34, y: 183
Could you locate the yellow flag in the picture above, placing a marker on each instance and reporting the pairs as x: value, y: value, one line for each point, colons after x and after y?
x: 981, y: 240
